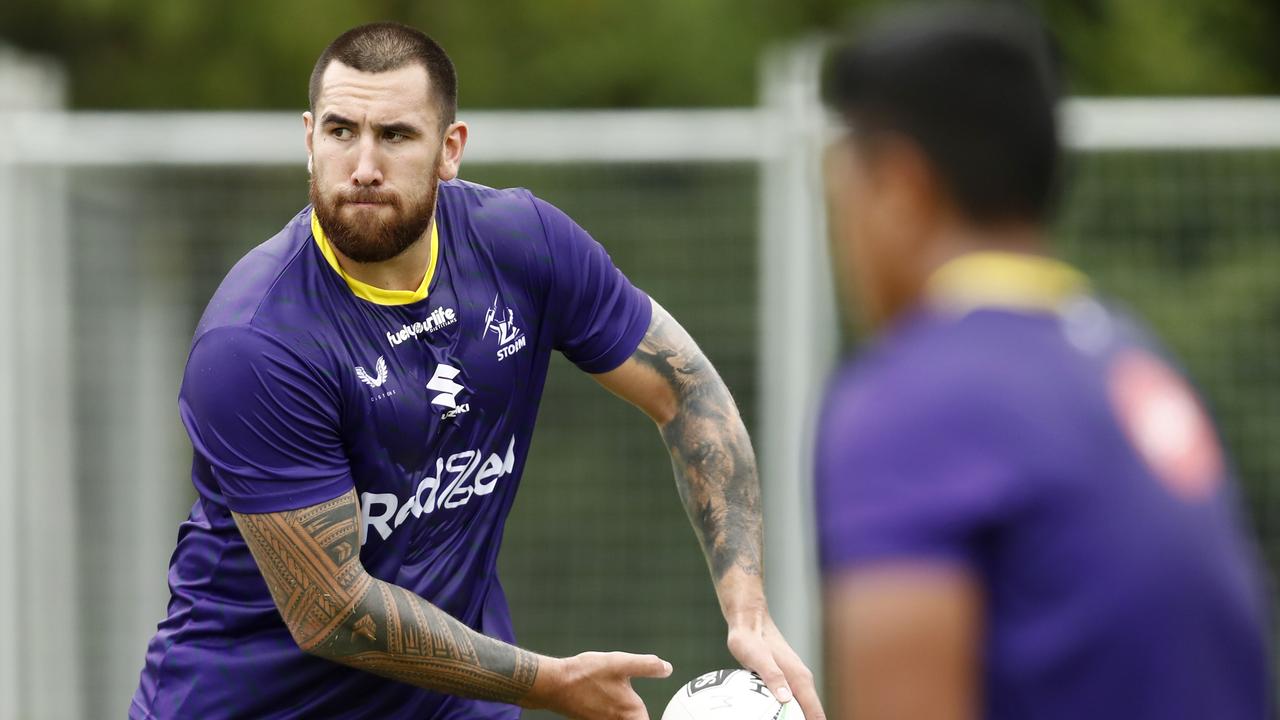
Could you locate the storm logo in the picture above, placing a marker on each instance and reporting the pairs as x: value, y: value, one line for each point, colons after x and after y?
x: 503, y: 325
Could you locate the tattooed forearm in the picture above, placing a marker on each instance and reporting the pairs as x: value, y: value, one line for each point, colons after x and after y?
x: 714, y: 464
x: 310, y: 559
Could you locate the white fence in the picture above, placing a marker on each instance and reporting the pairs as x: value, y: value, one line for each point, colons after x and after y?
x: 41, y: 598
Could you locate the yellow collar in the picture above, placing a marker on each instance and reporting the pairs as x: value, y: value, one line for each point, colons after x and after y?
x: 368, y: 292
x: 999, y: 279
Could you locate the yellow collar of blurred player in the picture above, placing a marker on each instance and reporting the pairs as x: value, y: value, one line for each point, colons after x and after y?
x: 1018, y: 281
x: 368, y: 292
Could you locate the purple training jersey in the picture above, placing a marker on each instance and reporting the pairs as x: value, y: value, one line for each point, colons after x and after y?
x: 304, y: 383
x: 1017, y: 429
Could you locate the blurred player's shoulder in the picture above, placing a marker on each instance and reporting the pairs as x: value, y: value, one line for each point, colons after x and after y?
x: 933, y: 350
x: 988, y: 366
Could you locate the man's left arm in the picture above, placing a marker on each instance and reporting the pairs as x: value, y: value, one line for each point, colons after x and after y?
x: 670, y: 379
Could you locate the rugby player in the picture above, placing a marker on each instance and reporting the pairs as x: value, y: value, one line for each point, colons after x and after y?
x: 361, y: 394
x: 1025, y: 512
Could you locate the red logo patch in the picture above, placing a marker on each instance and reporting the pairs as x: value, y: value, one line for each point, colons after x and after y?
x: 1167, y: 425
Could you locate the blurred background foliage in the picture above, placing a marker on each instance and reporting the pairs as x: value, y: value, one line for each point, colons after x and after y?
x: 242, y: 54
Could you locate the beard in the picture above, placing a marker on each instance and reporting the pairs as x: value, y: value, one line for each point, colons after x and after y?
x: 372, y: 237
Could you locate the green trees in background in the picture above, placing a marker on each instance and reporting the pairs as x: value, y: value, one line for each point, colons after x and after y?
x: 590, y: 53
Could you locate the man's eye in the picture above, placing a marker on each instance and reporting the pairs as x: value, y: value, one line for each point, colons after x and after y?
x: 343, y: 133
x: 394, y: 137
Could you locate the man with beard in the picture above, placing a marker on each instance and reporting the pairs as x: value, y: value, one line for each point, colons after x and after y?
x: 361, y: 394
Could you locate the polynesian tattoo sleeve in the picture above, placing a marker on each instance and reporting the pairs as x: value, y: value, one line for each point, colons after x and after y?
x: 310, y: 559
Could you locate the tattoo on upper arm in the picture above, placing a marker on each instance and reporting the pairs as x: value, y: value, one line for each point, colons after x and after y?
x: 714, y: 464
x: 310, y: 559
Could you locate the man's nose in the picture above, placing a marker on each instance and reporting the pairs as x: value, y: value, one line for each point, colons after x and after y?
x: 368, y: 171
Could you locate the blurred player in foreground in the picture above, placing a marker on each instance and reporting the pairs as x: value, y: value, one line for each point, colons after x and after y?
x: 1024, y: 511
x: 361, y: 395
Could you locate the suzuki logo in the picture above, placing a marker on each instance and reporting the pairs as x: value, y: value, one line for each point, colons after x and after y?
x: 442, y: 382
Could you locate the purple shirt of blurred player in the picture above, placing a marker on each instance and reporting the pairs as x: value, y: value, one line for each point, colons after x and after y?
x: 424, y: 403
x: 1016, y: 430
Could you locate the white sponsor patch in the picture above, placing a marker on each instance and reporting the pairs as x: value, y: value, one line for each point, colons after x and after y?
x: 451, y: 483
x: 439, y: 318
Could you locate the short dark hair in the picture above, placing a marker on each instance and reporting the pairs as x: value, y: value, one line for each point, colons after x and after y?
x: 385, y: 46
x: 976, y: 87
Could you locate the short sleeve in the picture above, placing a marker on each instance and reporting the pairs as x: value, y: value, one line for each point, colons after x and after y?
x: 599, y: 316
x: 908, y: 473
x: 260, y: 416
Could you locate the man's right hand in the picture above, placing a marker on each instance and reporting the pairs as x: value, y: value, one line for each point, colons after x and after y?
x: 594, y: 685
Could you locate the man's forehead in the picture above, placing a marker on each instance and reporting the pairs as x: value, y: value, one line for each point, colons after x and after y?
x: 359, y: 95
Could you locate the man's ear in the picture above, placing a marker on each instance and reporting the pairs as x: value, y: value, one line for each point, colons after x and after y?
x: 455, y: 141
x: 308, y: 124
x: 908, y: 182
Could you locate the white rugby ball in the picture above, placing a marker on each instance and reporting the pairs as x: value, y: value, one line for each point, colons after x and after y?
x: 729, y: 695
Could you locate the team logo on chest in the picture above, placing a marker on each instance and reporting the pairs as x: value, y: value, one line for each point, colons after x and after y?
x: 502, y: 324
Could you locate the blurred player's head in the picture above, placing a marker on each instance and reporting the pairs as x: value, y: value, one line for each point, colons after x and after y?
x: 381, y: 134
x: 952, y: 144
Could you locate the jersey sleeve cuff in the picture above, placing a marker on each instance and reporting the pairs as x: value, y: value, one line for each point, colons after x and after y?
x: 627, y: 342
x: 289, y: 498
